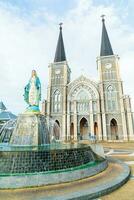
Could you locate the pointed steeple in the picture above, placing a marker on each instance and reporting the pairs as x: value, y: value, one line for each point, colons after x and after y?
x: 60, y: 51
x: 106, y: 48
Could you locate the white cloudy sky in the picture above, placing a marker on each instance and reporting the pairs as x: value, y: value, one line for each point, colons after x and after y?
x: 28, y: 38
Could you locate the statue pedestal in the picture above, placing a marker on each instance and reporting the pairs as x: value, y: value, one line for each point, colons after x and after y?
x: 31, y: 129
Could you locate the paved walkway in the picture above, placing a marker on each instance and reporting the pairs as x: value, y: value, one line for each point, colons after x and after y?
x: 124, y: 152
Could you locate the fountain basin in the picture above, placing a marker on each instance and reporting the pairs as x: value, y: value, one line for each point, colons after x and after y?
x: 28, y: 166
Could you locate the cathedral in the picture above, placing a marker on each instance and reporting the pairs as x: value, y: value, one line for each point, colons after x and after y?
x: 83, y: 108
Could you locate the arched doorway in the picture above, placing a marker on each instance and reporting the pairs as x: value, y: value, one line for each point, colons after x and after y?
x: 83, y: 128
x: 114, y: 129
x: 72, y: 131
x: 57, y: 122
x: 56, y: 129
x: 96, y: 129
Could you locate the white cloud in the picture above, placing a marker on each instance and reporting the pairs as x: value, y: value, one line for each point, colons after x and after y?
x: 25, y: 45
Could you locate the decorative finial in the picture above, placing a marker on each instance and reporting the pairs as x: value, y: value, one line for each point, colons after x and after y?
x: 60, y: 24
x: 103, y: 17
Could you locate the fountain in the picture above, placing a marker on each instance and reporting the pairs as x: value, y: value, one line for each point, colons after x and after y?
x: 54, y: 131
x: 35, y: 154
x: 35, y: 148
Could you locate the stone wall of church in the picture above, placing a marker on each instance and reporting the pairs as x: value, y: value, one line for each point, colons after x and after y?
x: 83, y: 107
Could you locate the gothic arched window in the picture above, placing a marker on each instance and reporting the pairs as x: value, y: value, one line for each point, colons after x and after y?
x: 57, y: 101
x: 82, y: 95
x: 111, y: 98
x: 82, y: 101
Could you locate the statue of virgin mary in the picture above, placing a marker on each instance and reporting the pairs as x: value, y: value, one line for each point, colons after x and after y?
x: 32, y: 92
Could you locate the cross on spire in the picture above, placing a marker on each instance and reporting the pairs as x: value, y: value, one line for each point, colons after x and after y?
x: 60, y: 24
x: 103, y: 17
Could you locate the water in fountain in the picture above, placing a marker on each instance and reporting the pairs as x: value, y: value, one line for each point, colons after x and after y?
x: 19, y: 158
x: 54, y: 131
x: 7, y: 130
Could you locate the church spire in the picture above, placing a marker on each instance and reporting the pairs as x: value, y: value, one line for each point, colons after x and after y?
x: 106, y: 48
x: 60, y: 51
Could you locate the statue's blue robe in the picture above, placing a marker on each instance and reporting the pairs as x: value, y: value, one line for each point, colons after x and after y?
x: 27, y: 88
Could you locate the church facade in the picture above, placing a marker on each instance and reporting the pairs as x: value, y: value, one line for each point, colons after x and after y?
x: 82, y: 107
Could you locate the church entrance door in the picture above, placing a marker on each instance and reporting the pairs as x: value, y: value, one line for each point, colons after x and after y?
x: 96, y: 129
x: 57, y: 130
x: 114, y: 129
x: 72, y: 131
x: 83, y: 128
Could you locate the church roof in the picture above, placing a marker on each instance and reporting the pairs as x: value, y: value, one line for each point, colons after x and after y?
x: 106, y: 48
x: 2, y: 106
x: 4, y: 114
x: 60, y: 51
x: 7, y: 115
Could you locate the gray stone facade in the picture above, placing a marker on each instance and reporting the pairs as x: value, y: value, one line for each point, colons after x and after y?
x: 85, y: 108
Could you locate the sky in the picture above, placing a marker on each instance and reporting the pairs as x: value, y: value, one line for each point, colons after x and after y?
x: 29, y: 33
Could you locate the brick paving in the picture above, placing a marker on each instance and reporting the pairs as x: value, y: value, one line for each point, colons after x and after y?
x: 126, y: 192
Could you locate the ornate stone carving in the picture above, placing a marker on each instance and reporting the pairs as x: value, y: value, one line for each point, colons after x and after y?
x: 85, y: 84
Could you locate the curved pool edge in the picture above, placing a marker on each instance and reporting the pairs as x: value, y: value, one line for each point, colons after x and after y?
x: 42, y: 179
x: 104, y: 188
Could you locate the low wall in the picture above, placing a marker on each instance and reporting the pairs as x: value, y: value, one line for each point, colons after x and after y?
x: 61, y: 176
x: 98, y: 149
